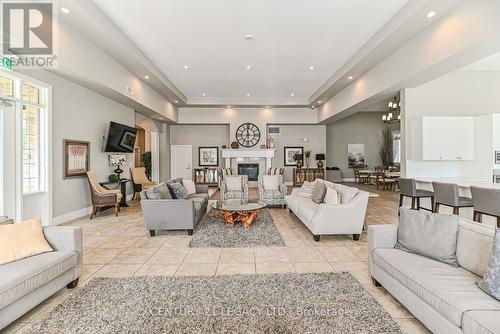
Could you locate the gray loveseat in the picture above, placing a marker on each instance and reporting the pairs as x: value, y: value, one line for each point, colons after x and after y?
x: 445, y: 299
x: 28, y: 282
x: 173, y: 214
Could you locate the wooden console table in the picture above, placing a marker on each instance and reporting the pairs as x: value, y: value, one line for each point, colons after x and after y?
x: 307, y: 174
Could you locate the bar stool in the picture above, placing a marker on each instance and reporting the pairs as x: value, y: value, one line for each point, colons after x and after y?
x: 486, y: 202
x: 408, y: 188
x: 447, y: 194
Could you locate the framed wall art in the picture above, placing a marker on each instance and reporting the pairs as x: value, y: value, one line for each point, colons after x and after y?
x: 289, y: 153
x: 208, y: 156
x: 76, y: 158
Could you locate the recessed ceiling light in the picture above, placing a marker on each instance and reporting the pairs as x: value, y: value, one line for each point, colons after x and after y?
x: 311, y: 67
x: 319, y: 102
x: 186, y: 67
x: 431, y: 14
x: 176, y: 101
x: 248, y: 37
x: 349, y: 77
x: 267, y: 107
x: 146, y: 77
x: 65, y: 10
x: 248, y: 94
x: 248, y: 67
x: 292, y: 95
x: 228, y: 107
x: 203, y: 94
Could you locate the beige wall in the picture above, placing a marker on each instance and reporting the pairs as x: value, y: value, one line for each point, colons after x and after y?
x: 361, y: 128
x: 80, y: 114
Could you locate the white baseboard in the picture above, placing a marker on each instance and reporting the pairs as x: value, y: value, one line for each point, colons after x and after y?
x: 66, y: 217
x: 348, y: 179
x: 69, y: 216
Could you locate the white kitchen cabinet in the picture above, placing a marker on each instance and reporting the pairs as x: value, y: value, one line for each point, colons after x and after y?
x: 448, y: 138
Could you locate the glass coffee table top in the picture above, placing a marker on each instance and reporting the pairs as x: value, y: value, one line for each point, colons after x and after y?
x: 237, y: 205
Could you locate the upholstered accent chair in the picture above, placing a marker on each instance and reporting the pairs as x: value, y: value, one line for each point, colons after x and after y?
x: 221, y: 173
x: 102, y: 197
x: 234, y: 187
x: 275, y: 171
x: 139, y: 180
x: 272, y: 190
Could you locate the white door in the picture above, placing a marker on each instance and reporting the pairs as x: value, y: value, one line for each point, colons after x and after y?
x: 181, y: 161
x: 449, y: 138
x: 431, y: 136
x: 466, y: 138
x: 10, y: 189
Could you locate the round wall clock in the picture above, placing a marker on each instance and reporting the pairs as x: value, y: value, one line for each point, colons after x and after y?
x: 248, y: 135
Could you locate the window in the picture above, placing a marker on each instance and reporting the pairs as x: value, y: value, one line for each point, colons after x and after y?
x: 396, y: 147
x: 32, y: 139
x: 6, y: 87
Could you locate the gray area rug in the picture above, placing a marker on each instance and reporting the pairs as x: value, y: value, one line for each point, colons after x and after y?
x: 212, y: 232
x: 278, y: 303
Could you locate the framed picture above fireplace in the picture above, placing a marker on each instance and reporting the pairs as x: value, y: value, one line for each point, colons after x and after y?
x: 290, y: 153
x: 208, y: 156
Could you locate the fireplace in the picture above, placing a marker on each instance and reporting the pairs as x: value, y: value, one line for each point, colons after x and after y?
x: 252, y: 170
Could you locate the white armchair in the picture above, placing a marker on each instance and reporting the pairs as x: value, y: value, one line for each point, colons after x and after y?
x: 272, y: 190
x: 234, y: 187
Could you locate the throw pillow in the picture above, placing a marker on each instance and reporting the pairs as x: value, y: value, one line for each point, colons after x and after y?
x: 18, y: 241
x: 233, y: 183
x: 178, y: 191
x: 6, y: 220
x: 307, y: 189
x: 346, y: 193
x: 319, y: 192
x: 331, y: 196
x: 271, y: 182
x: 491, y: 279
x: 190, y: 186
x: 429, y: 234
x: 160, y: 191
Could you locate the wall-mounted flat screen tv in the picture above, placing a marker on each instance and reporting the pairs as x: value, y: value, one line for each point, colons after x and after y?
x: 121, y: 138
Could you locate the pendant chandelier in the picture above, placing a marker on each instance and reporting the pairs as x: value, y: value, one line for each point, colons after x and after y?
x: 394, y: 109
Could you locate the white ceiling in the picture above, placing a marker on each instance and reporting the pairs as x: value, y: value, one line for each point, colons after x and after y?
x: 491, y: 63
x: 289, y: 37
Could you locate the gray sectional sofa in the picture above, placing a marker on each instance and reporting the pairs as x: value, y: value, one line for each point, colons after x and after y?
x: 444, y: 298
x: 28, y: 282
x: 162, y: 212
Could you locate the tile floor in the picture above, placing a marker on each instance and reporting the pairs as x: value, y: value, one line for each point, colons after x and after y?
x: 121, y: 247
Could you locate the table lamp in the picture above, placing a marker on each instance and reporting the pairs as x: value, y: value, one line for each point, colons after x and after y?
x: 117, y: 160
x: 298, y: 157
x: 320, y: 157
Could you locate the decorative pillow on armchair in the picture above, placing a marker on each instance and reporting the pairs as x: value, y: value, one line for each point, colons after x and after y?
x: 233, y: 183
x: 271, y: 182
x: 491, y: 279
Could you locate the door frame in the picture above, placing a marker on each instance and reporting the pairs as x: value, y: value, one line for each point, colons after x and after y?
x: 172, y: 163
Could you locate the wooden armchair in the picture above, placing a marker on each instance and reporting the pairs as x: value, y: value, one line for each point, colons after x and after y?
x: 139, y: 180
x: 102, y: 197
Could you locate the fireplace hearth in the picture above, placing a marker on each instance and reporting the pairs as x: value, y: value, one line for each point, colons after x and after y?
x: 252, y: 170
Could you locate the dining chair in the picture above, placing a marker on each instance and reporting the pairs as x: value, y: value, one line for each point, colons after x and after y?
x: 486, y: 202
x: 408, y: 188
x: 447, y: 194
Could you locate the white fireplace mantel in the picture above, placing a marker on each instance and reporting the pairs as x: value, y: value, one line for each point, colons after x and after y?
x: 266, y: 153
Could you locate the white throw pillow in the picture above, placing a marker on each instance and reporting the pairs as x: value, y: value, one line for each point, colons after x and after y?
x: 190, y: 186
x: 271, y: 182
x: 346, y: 193
x: 233, y: 183
x: 331, y: 197
x: 307, y: 189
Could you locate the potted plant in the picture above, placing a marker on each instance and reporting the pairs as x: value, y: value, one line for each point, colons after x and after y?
x: 146, y: 163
